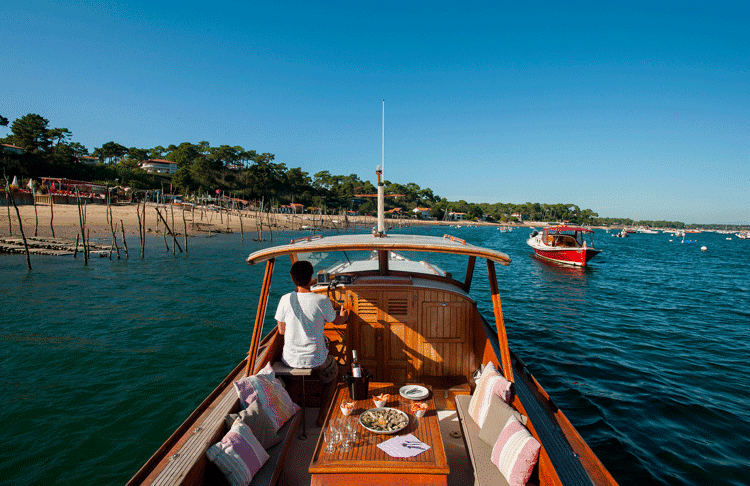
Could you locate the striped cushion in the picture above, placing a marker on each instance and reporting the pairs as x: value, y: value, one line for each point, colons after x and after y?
x: 515, y: 452
x: 274, y: 399
x: 239, y: 455
x: 245, y: 389
x: 490, y: 383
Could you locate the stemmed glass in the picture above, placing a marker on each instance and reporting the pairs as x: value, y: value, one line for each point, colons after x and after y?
x: 332, y: 436
x: 349, y: 433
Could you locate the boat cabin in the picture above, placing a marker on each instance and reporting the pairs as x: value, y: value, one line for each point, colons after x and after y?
x: 567, y: 236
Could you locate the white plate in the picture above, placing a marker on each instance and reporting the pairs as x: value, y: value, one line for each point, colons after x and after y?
x: 381, y: 409
x: 414, y: 392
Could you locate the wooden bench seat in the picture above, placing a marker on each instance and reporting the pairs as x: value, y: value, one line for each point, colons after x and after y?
x: 485, y: 472
x: 190, y: 466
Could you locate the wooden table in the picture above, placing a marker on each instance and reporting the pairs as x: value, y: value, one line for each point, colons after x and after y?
x: 365, y: 463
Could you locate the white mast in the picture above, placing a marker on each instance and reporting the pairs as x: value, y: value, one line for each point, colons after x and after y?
x: 381, y: 186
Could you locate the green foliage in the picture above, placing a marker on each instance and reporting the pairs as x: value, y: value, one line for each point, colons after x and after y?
x: 250, y: 175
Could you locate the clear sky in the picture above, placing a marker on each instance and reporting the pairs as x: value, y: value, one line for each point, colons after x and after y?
x: 632, y: 109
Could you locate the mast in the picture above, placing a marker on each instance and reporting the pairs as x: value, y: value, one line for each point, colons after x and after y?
x: 381, y: 186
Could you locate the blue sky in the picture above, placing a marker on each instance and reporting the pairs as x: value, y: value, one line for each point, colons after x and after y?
x: 626, y: 110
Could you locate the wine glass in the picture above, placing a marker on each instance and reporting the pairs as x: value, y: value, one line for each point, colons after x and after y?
x: 352, y: 428
x: 332, y: 436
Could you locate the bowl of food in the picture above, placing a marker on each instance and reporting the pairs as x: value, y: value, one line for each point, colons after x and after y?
x: 381, y: 400
x: 419, y: 409
x: 347, y: 408
x: 384, y: 420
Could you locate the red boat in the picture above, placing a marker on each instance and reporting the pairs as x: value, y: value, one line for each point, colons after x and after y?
x: 564, y: 244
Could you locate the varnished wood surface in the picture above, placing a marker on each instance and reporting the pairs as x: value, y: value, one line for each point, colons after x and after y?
x: 366, y: 463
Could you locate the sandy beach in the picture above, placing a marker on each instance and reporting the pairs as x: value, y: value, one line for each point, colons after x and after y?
x: 65, y: 220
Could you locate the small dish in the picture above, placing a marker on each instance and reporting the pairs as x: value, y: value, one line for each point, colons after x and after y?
x: 381, y: 400
x: 414, y: 392
x: 347, y: 408
x: 419, y: 409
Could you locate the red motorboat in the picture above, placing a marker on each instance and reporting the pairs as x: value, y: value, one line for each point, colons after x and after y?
x: 564, y: 244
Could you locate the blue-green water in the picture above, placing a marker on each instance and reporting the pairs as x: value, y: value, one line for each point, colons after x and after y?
x: 646, y: 351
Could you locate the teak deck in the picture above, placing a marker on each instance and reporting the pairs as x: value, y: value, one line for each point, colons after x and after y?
x: 365, y: 463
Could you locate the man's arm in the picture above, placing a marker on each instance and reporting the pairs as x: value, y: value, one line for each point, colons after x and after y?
x: 282, y: 327
x: 341, y: 317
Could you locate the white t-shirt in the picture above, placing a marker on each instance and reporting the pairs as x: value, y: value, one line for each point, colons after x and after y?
x: 305, y: 315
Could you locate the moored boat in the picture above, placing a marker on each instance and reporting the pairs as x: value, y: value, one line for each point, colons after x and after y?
x: 564, y: 244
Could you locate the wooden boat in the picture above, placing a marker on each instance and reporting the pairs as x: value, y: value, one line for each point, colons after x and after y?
x: 563, y: 244
x: 411, y: 321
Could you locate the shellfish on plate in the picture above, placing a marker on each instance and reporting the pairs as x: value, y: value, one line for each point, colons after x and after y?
x: 384, y: 420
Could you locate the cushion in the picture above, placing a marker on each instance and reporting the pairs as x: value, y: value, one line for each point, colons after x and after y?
x: 498, y: 414
x: 274, y: 399
x: 490, y: 383
x: 239, y: 455
x: 245, y: 389
x: 254, y: 417
x: 515, y: 452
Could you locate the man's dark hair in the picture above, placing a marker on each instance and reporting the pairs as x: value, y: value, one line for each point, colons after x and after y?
x: 301, y: 272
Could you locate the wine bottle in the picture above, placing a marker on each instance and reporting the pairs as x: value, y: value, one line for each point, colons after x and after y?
x: 356, y: 369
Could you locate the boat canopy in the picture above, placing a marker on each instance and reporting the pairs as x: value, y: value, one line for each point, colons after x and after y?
x: 430, y: 244
x: 560, y: 229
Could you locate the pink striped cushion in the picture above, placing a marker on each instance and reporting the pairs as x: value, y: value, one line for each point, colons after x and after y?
x: 515, y: 452
x: 245, y: 389
x: 274, y: 399
x: 490, y: 383
x: 239, y: 455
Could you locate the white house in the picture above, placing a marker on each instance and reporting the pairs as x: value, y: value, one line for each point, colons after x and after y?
x: 423, y: 213
x: 457, y: 216
x: 87, y: 159
x: 159, y: 166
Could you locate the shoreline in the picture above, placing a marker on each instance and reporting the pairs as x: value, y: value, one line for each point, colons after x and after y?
x: 198, y: 221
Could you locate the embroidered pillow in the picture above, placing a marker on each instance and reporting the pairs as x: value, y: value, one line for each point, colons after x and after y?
x: 500, y: 413
x: 245, y: 391
x: 239, y: 455
x: 515, y: 452
x: 490, y: 383
x: 268, y: 370
x: 274, y: 399
x: 261, y: 426
x: 244, y: 387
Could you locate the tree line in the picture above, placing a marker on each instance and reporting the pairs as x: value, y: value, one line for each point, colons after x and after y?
x: 51, y: 152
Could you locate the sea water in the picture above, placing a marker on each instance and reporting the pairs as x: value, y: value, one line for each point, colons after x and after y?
x: 645, y: 351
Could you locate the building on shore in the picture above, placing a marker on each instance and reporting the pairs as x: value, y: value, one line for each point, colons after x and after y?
x: 159, y: 166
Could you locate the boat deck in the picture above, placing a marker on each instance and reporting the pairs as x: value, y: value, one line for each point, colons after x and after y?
x: 295, y: 470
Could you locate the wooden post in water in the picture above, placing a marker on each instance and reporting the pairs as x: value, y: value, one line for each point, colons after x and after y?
x: 174, y: 238
x: 184, y: 227
x: 143, y: 239
x: 242, y: 230
x: 52, y: 213
x: 36, y: 214
x: 140, y: 226
x: 7, y: 204
x: 125, y: 243
x: 83, y: 231
x: 75, y: 253
x: 20, y: 223
x: 157, y: 226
